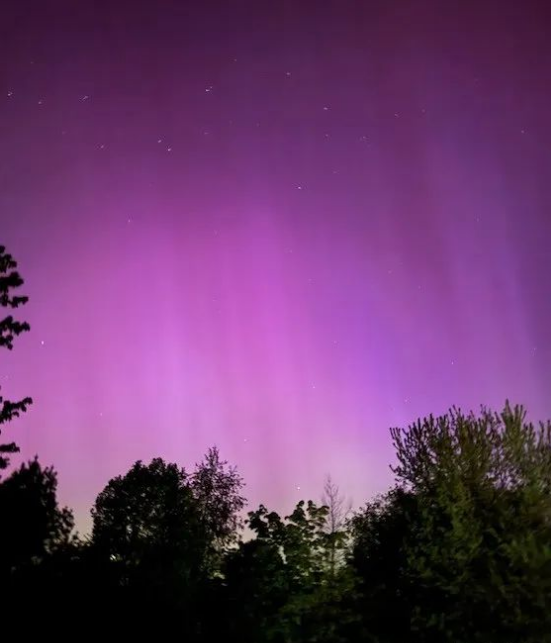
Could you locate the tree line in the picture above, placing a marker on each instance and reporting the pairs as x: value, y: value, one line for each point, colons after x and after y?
x: 458, y: 549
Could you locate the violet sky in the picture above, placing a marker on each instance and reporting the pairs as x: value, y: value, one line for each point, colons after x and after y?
x: 278, y: 227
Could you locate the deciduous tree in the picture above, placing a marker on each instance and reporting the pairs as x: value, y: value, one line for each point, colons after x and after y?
x: 10, y: 328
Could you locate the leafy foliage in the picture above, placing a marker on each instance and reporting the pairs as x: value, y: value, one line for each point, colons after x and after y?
x: 10, y: 280
x: 148, y: 516
x: 457, y: 551
x: 463, y: 541
x: 281, y: 584
x: 33, y: 524
x: 217, y: 489
x: 150, y: 542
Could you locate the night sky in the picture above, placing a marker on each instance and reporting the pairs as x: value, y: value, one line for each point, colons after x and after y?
x: 278, y: 227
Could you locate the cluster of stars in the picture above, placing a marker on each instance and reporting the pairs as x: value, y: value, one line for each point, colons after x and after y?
x: 209, y: 89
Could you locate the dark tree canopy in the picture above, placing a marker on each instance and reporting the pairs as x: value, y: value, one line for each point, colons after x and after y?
x: 217, y: 489
x: 160, y: 534
x: 10, y: 280
x: 151, y: 510
x: 498, y: 450
x: 34, y: 526
x: 459, y: 551
x: 10, y: 328
x: 282, y: 584
x: 150, y: 542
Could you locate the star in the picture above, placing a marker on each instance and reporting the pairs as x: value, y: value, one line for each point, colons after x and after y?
x: 86, y: 97
x: 169, y: 149
x: 10, y: 94
x: 209, y: 89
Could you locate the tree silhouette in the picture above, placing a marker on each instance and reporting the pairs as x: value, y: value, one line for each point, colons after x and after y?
x: 379, y: 531
x: 217, y: 489
x: 459, y: 551
x: 278, y: 583
x: 338, y: 511
x: 150, y: 513
x: 36, y: 549
x: 34, y: 526
x: 258, y: 583
x: 10, y: 280
x: 151, y: 544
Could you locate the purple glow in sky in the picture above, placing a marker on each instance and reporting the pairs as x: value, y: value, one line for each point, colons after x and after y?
x: 278, y: 227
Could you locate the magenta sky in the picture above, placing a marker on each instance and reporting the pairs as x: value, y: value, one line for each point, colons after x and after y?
x: 279, y: 230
